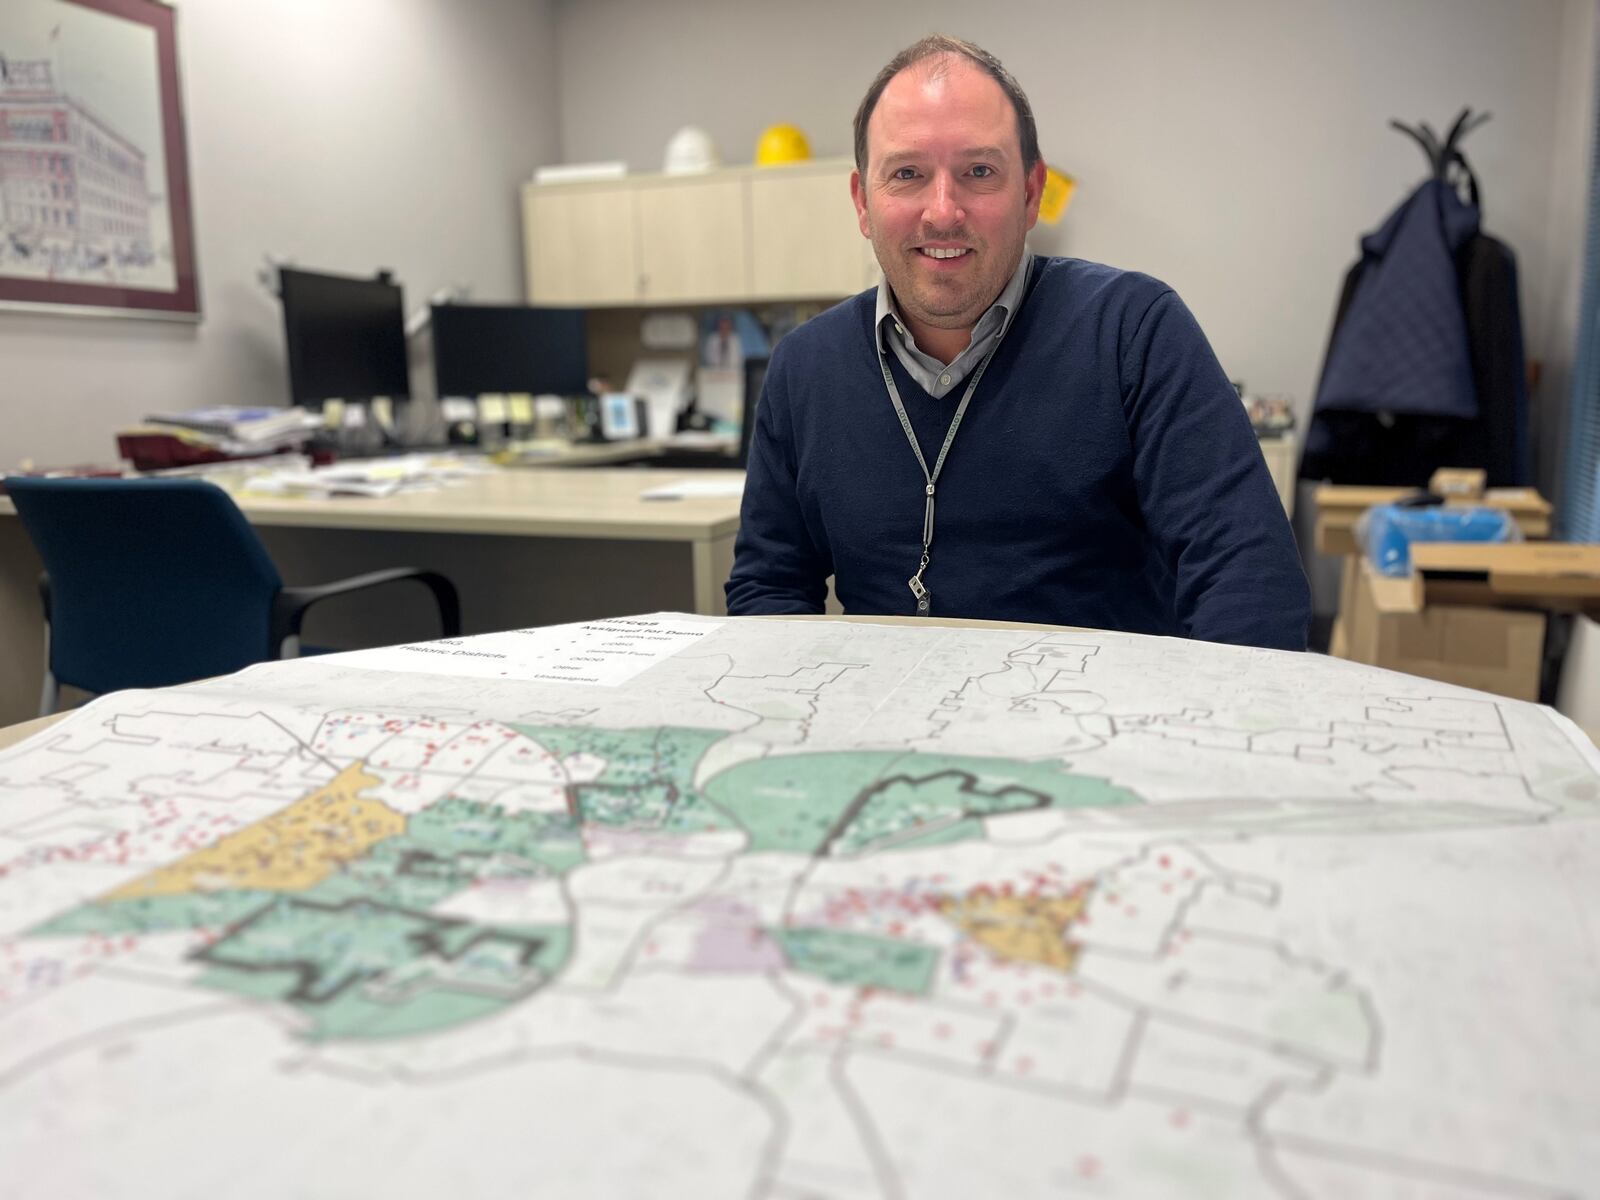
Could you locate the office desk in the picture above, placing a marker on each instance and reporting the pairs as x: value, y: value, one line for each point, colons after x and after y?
x: 525, y: 547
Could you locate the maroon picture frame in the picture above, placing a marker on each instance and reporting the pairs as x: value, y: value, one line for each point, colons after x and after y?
x: 101, y: 299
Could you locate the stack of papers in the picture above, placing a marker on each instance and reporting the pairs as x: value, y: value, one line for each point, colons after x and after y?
x: 253, y: 427
x: 377, y: 477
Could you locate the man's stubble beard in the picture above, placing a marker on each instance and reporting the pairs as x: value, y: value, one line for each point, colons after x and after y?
x: 919, y: 300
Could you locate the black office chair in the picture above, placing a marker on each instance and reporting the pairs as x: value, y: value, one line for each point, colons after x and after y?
x: 152, y: 582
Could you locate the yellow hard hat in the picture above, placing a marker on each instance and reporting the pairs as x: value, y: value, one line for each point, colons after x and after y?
x: 781, y: 144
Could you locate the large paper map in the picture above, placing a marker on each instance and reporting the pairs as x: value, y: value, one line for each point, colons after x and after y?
x: 673, y: 906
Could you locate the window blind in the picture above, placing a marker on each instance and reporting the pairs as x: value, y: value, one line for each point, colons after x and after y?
x: 1580, y: 509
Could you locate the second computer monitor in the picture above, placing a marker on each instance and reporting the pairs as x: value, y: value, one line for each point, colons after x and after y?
x: 480, y: 349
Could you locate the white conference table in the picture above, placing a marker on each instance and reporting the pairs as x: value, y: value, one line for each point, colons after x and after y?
x: 524, y: 547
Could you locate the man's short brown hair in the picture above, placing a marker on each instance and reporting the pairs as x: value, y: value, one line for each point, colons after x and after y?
x: 938, y: 45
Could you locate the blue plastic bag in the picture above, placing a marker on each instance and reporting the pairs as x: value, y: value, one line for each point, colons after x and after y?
x: 1385, y: 532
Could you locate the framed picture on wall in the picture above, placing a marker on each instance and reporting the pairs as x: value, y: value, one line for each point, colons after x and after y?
x: 95, y: 213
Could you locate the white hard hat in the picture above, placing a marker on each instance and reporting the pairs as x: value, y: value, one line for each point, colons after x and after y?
x: 690, y: 149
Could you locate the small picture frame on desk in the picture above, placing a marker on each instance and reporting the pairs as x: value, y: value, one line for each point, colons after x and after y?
x: 619, y: 416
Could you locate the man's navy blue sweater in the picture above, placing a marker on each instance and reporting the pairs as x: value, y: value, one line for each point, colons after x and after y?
x: 1104, y: 475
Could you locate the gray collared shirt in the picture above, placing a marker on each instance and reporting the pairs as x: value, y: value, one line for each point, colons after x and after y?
x: 933, y: 376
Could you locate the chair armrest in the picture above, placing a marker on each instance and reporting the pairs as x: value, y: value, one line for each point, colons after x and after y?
x: 290, y: 605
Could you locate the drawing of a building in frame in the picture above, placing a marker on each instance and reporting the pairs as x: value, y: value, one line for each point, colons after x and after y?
x: 74, y: 199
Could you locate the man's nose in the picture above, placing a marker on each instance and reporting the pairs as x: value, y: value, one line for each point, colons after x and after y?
x: 943, y: 209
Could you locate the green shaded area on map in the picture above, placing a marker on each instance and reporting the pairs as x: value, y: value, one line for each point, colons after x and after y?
x: 360, y: 969
x: 446, y: 848
x: 452, y: 844
x: 648, y: 780
x: 359, y: 952
x: 862, y: 800
x: 859, y: 959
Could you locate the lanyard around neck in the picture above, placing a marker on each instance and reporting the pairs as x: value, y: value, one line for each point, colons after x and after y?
x: 918, y: 588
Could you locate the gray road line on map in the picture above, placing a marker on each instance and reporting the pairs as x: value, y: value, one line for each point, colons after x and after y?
x: 84, y: 1041
x: 774, y: 1043
x: 877, y: 1153
x: 656, y: 1064
x: 1227, y: 1033
x: 625, y: 964
x: 1383, y: 1160
x: 312, y: 1063
x: 986, y: 1074
x: 1255, y: 1125
x: 1122, y: 1073
x: 1210, y: 1105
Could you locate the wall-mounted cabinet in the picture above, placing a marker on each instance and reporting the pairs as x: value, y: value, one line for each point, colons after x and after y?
x: 739, y: 235
x: 804, y: 239
x: 584, y: 251
x: 692, y: 243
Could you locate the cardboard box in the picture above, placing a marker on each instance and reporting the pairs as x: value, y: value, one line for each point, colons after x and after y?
x: 1492, y: 649
x: 1338, y: 508
x: 1470, y: 613
x: 1467, y: 483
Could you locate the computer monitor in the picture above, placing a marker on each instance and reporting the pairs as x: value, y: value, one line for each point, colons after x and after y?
x: 755, y: 378
x: 488, y: 348
x: 346, y: 337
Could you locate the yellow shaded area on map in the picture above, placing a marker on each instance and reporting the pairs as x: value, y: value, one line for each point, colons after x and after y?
x: 292, y: 849
x: 1020, y: 928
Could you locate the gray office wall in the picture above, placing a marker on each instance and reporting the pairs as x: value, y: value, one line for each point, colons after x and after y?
x: 1235, y: 148
x: 349, y: 136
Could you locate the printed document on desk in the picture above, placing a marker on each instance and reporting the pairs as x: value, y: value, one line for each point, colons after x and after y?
x: 607, y: 652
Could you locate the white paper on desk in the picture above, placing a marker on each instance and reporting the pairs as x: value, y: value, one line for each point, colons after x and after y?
x: 309, y: 483
x: 703, y: 439
x: 691, y: 489
x: 607, y: 653
x: 375, y: 477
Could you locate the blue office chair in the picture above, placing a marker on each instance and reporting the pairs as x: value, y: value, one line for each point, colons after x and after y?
x: 151, y: 582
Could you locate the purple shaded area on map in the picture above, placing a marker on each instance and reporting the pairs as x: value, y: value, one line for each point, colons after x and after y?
x: 732, y: 939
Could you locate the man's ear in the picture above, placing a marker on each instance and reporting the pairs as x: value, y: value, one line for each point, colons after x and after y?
x: 1033, y: 192
x: 858, y: 193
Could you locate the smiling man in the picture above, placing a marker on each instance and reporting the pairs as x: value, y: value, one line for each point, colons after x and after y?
x: 995, y: 434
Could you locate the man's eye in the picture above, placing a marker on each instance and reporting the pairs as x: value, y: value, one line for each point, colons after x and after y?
x: 982, y: 171
x: 905, y: 173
